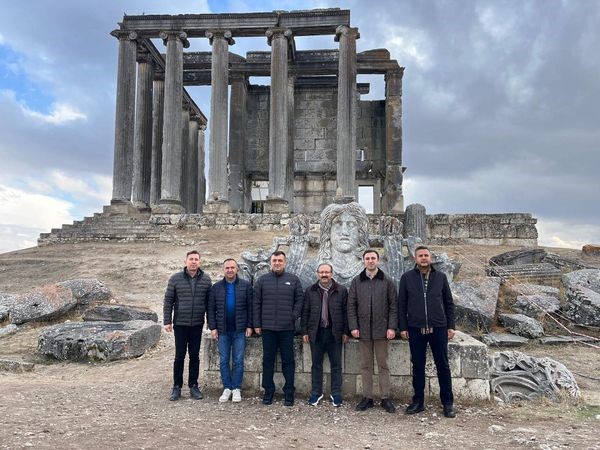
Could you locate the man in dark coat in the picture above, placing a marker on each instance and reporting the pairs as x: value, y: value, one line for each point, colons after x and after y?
x: 426, y: 316
x: 324, y: 325
x: 278, y: 298
x: 230, y: 321
x: 184, y: 307
x: 373, y: 318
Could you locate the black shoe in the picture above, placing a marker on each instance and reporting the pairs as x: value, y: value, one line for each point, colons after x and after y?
x: 288, y: 400
x: 195, y: 392
x: 364, y: 404
x: 268, y: 398
x: 449, y: 411
x: 415, y: 408
x: 175, y: 393
x: 387, y: 404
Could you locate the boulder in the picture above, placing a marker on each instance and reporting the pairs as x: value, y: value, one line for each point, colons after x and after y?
x: 521, y: 256
x: 582, y: 294
x: 475, y: 302
x: 504, y: 340
x: 536, y: 306
x: 522, y: 325
x: 119, y: 313
x: 6, y: 301
x: 443, y: 263
x: 591, y: 250
x: 45, y: 303
x: 535, y: 289
x: 87, y: 290
x: 99, y: 341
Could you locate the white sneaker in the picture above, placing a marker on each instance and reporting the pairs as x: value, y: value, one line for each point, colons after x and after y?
x: 225, y: 395
x: 237, y: 396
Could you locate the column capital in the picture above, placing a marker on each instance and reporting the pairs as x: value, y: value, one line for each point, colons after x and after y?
x: 122, y: 34
x: 277, y: 33
x: 143, y: 56
x: 346, y: 31
x: 238, y: 77
x: 220, y: 34
x: 172, y: 34
x: 396, y: 72
x: 202, y: 127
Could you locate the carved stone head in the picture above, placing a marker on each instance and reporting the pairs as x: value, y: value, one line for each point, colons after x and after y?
x: 344, y: 229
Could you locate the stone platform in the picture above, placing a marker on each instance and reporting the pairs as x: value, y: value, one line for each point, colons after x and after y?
x: 469, y: 364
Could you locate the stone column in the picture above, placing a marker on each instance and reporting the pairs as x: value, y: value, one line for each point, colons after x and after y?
x: 158, y: 104
x: 142, y: 143
x: 170, y: 189
x: 185, y: 157
x: 278, y: 121
x: 124, y: 120
x: 218, y: 201
x: 289, y: 185
x: 416, y: 222
x: 393, y: 200
x: 192, y: 163
x: 346, y: 114
x: 201, y: 169
x: 237, y: 142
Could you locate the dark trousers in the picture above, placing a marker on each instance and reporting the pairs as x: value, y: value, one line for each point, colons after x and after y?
x: 325, y: 343
x: 284, y: 341
x: 187, y: 339
x: 438, y: 341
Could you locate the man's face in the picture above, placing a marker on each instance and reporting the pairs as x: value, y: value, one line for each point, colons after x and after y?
x: 344, y: 233
x: 192, y: 262
x: 423, y: 258
x: 371, y: 260
x: 230, y: 270
x: 324, y: 273
x: 277, y: 263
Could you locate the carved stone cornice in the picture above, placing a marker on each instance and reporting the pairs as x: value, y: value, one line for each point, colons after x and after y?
x: 181, y: 35
x: 346, y: 31
x: 220, y: 34
x: 278, y: 33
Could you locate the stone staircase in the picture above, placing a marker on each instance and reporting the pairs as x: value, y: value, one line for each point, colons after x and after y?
x: 539, y: 273
x: 105, y: 226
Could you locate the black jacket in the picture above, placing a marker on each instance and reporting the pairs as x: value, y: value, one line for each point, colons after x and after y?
x: 311, y: 311
x: 278, y: 301
x: 414, y: 311
x: 180, y: 307
x: 217, y: 305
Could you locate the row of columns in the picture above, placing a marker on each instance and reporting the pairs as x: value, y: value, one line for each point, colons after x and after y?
x: 159, y: 146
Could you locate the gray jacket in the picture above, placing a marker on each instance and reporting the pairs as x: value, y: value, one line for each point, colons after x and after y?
x: 180, y: 307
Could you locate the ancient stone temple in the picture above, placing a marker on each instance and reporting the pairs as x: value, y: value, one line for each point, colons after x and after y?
x: 308, y: 136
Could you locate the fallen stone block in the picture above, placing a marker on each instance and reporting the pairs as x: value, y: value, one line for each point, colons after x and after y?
x: 558, y: 340
x: 521, y: 256
x: 534, y: 289
x: 99, y: 341
x: 541, y: 273
x: 45, y: 303
x: 504, y: 340
x: 536, y: 306
x: 582, y: 294
x: 87, y: 290
x: 8, y: 330
x: 564, y: 264
x: 6, y: 301
x: 475, y: 302
x: 522, y: 325
x: 10, y: 365
x: 118, y: 313
x: 591, y: 250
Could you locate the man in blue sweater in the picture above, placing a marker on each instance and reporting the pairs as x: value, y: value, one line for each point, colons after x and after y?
x: 230, y: 321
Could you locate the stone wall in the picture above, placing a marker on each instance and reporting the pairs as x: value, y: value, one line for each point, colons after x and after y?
x: 468, y: 364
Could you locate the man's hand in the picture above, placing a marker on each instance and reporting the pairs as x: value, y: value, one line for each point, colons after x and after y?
x: 248, y: 332
x: 404, y: 335
x: 451, y: 333
x: 305, y: 338
x: 391, y: 334
x: 355, y: 334
x: 345, y: 338
x: 258, y: 331
x: 214, y: 333
x: 169, y: 328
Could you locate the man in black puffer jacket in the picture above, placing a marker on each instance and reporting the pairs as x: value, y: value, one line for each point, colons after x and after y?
x: 185, y: 303
x: 426, y: 316
x: 278, y: 298
x: 230, y: 321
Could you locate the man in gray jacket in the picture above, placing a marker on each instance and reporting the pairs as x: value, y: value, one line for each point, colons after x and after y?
x: 278, y: 298
x: 185, y: 303
x: 373, y: 318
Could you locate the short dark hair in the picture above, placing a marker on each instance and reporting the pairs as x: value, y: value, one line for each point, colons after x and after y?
x: 230, y: 259
x: 370, y: 250
x: 192, y: 252
x: 422, y: 247
x: 325, y: 264
x: 278, y: 253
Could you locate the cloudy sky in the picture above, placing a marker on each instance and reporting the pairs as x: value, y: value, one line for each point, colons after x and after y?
x: 501, y: 105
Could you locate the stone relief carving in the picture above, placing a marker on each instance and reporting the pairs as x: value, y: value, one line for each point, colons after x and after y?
x: 517, y: 376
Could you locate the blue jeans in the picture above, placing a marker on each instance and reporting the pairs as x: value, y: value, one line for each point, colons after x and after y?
x: 232, y: 344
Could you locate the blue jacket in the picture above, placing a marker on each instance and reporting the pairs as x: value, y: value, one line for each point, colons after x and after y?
x: 217, y: 305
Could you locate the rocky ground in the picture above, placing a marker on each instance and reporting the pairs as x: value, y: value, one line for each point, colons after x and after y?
x: 124, y: 404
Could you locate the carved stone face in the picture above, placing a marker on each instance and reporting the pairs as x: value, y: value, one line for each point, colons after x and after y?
x: 344, y: 233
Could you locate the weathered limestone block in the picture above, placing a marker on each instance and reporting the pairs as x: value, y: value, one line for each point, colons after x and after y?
x: 10, y: 365
x: 517, y: 376
x: 99, y: 341
x: 522, y: 325
x: 47, y: 302
x: 591, y: 250
x: 87, y: 290
x: 6, y: 301
x: 582, y: 293
x: 8, y: 330
x: 563, y: 263
x: 118, y: 313
x: 504, y: 340
x: 521, y: 256
x: 536, y: 306
x: 476, y: 302
x: 534, y: 289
